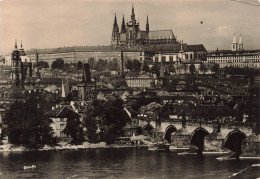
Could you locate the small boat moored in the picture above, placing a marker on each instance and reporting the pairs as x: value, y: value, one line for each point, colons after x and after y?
x: 29, y: 167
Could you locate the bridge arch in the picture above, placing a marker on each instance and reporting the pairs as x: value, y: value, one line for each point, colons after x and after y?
x: 197, y: 138
x: 147, y: 128
x: 168, y: 131
x: 233, y: 141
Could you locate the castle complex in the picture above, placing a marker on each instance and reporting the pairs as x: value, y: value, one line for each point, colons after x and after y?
x: 130, y: 34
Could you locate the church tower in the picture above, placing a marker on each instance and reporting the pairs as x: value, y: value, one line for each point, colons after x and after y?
x: 115, y: 33
x: 123, y: 29
x: 16, y: 65
x: 234, y: 43
x: 147, y: 25
x: 240, y: 43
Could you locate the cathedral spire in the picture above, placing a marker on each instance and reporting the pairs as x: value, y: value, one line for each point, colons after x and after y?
x: 123, y: 29
x: 147, y: 24
x: 115, y: 22
x: 133, y: 13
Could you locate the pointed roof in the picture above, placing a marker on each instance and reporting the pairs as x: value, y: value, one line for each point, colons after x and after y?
x: 15, y: 45
x: 234, y: 39
x: 123, y: 29
x: 240, y: 40
x: 147, y: 24
x: 115, y: 22
x: 133, y: 13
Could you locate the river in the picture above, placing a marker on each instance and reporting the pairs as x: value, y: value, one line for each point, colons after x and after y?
x: 120, y: 163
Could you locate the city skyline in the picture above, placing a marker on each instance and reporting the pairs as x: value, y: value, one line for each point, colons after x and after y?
x: 50, y: 24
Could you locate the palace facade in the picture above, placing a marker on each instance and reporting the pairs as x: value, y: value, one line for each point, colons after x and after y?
x: 236, y: 57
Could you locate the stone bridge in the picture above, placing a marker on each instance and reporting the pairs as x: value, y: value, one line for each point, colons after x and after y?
x: 208, y: 136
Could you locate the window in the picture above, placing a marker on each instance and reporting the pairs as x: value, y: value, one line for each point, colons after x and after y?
x: 62, y: 126
x: 171, y: 58
x: 156, y: 59
x: 190, y: 56
x: 163, y: 58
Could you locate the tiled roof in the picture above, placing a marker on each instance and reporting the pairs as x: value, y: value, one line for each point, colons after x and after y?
x: 164, y: 47
x: 230, y: 52
x: 55, y: 80
x: 62, y: 111
x: 195, y: 48
x: 78, y: 49
x: 161, y: 34
x: 142, y: 35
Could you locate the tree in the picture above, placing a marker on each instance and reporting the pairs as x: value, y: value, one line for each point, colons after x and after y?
x: 145, y: 67
x: 136, y: 65
x: 113, y: 65
x: 91, y: 125
x: 112, y: 118
x: 28, y: 125
x: 214, y: 68
x: 192, y: 68
x: 42, y: 64
x: 203, y: 68
x: 184, y: 67
x: 79, y: 65
x: 74, y: 128
x: 91, y: 62
x: 129, y: 65
x: 155, y: 69
x: 58, y: 64
x: 100, y: 65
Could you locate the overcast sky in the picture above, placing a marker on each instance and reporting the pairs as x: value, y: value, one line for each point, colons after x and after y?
x: 57, y: 23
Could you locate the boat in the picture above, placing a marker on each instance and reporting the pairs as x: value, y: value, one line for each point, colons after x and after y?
x: 256, y: 165
x: 29, y: 167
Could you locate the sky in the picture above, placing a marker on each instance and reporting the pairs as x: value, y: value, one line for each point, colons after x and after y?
x: 59, y: 23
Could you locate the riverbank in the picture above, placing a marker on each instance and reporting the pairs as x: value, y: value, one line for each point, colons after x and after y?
x: 64, y: 146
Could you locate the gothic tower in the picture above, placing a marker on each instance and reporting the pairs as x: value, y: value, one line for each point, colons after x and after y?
x: 147, y: 25
x: 123, y: 29
x: 115, y: 33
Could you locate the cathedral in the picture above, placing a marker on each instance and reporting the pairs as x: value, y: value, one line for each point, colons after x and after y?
x: 131, y: 36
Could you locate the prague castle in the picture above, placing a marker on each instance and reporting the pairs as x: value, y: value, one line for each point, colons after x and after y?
x: 130, y: 34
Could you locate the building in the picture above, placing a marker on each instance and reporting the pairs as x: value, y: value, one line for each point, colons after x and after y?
x: 236, y: 57
x: 140, y: 81
x: 130, y: 34
x: 59, y: 117
x: 18, y: 67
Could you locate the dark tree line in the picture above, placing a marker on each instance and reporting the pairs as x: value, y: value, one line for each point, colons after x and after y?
x: 26, y: 123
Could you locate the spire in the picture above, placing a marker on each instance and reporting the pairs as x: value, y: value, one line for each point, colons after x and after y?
x: 147, y: 24
x: 15, y: 45
x: 123, y: 29
x: 115, y: 22
x: 21, y: 44
x: 240, y: 40
x: 133, y: 13
x: 234, y: 39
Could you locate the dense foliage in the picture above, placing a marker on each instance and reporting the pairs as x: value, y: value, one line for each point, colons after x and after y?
x: 74, y: 128
x: 110, y: 116
x: 58, y: 64
x: 26, y: 123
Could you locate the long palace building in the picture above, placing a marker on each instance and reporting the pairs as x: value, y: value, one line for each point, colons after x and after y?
x: 236, y: 57
x: 128, y: 43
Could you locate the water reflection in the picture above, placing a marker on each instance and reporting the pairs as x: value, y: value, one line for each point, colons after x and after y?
x: 117, y: 163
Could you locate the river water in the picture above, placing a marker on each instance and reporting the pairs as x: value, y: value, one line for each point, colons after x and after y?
x: 121, y: 163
